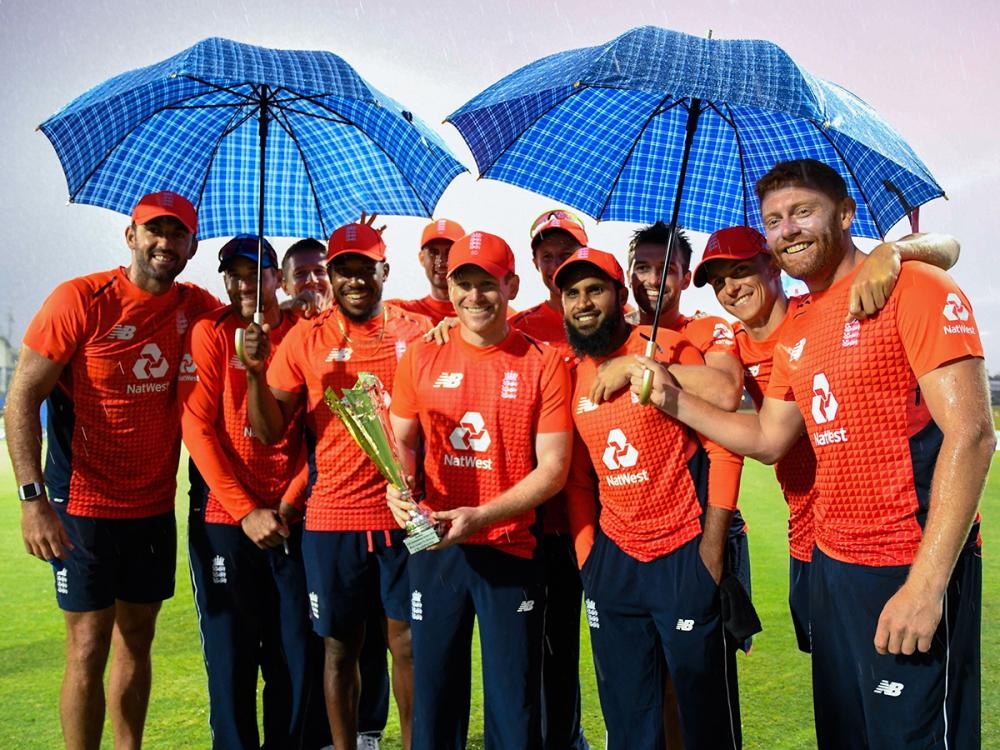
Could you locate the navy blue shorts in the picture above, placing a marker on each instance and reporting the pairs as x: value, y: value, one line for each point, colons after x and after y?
x: 129, y: 559
x: 351, y: 572
x: 893, y: 702
x: 450, y: 589
x: 642, y: 614
x: 798, y: 602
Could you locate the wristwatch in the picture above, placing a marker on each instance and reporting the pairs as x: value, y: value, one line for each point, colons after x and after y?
x: 30, y: 491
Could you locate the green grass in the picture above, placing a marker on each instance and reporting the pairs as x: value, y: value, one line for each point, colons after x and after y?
x: 774, y: 678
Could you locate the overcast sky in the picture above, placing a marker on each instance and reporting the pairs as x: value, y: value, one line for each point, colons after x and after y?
x: 928, y: 67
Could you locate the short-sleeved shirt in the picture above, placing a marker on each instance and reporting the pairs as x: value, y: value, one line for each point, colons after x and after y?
x: 241, y: 473
x: 856, y: 386
x: 480, y: 409
x: 114, y: 432
x: 328, y: 352
x: 709, y: 333
x: 651, y: 504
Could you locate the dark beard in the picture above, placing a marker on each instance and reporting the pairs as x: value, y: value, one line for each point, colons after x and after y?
x: 599, y: 343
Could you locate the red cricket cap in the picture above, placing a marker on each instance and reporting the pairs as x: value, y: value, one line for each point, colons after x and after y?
x: 442, y: 229
x: 733, y: 243
x: 355, y: 238
x: 166, y: 203
x: 487, y: 251
x: 604, y: 262
x: 558, y: 220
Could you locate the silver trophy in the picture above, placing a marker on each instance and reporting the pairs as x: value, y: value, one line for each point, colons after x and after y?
x: 363, y: 412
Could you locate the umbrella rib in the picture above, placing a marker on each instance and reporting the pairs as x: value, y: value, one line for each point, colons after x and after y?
x: 854, y: 179
x: 350, y: 123
x: 729, y: 117
x: 281, y: 117
x: 657, y: 111
x: 231, y: 126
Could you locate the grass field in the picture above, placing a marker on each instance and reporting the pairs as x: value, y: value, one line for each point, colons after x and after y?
x: 774, y: 678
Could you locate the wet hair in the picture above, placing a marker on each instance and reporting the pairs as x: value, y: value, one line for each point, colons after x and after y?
x: 807, y: 173
x: 657, y: 234
x: 301, y: 246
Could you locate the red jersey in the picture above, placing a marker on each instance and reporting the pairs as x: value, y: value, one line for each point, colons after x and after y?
x: 434, y: 308
x: 241, y: 473
x: 856, y: 386
x: 328, y: 352
x: 114, y: 437
x: 796, y: 472
x: 480, y: 409
x: 651, y: 504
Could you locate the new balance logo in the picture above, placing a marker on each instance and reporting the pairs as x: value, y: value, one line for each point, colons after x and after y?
x: 890, y: 689
x: 219, y: 570
x: 592, y: 618
x: 236, y: 364
x: 122, y: 333
x: 416, y: 606
x: 526, y: 606
x: 448, y: 380
x: 796, y: 351
x: 339, y: 355
x: 686, y: 625
x: 314, y: 605
x: 585, y: 405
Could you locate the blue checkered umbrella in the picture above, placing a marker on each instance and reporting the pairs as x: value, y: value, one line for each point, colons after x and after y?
x: 291, y: 143
x: 603, y: 130
x: 656, y: 118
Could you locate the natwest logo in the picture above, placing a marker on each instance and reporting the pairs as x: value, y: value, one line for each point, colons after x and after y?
x: 824, y: 403
x: 955, y: 309
x: 470, y: 434
x: 151, y: 363
x: 620, y: 453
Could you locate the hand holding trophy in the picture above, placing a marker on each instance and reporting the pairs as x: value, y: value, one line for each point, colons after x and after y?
x: 363, y: 412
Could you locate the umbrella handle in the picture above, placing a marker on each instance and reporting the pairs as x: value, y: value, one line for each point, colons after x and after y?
x: 646, y: 389
x: 238, y: 336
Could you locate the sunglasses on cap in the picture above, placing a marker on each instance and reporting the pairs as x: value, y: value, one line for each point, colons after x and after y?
x: 549, y: 218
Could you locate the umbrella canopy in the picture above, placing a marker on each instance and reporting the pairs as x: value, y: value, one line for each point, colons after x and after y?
x: 291, y: 143
x: 602, y: 129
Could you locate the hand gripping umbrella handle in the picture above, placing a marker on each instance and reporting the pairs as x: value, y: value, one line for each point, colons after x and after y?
x: 647, y: 375
x: 258, y: 318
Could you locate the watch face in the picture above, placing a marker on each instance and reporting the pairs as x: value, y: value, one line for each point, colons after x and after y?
x: 30, y: 491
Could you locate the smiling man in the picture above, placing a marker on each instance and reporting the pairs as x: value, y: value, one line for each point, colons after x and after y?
x: 490, y: 409
x: 244, y: 530
x: 897, y: 410
x: 105, y: 350
x: 653, y: 557
x: 354, y: 556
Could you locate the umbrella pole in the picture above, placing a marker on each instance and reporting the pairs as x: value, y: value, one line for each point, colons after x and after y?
x: 694, y: 112
x: 258, y: 316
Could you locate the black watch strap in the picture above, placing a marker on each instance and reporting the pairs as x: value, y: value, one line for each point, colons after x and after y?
x: 31, y: 491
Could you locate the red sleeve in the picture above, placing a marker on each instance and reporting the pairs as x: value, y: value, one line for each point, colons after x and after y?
x: 581, y: 500
x: 200, y: 411
x: 555, y: 413
x: 295, y: 493
x: 934, y: 319
x: 58, y: 328
x: 725, y: 469
x: 711, y: 334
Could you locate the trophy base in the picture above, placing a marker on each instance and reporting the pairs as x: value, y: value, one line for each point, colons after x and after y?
x: 421, y: 540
